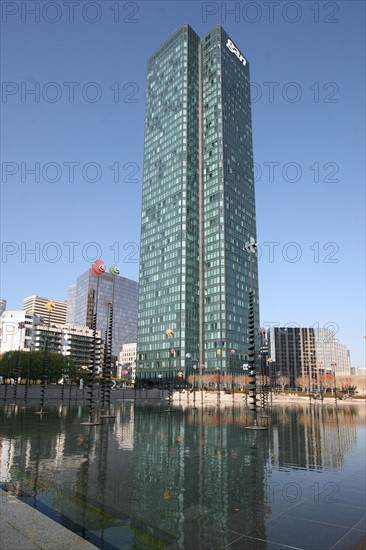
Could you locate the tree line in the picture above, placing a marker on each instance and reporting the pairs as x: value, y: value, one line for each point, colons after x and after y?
x: 26, y: 364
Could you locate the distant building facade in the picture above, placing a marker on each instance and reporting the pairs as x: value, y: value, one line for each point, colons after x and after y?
x: 127, y: 361
x: 71, y: 297
x: 14, y: 336
x: 69, y: 340
x: 295, y: 352
x: 24, y: 331
x: 37, y: 305
x: 96, y: 292
x: 2, y: 306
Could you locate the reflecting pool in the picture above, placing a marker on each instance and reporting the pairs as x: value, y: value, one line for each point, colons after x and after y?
x: 194, y: 478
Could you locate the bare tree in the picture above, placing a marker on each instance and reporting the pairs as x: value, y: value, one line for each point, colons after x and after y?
x: 302, y: 382
x: 326, y: 381
x: 241, y: 380
x: 205, y: 380
x: 346, y: 383
x: 283, y: 381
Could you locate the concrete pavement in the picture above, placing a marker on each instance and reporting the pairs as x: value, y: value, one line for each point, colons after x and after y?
x: 24, y: 528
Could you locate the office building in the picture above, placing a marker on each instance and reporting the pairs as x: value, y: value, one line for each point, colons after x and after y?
x: 71, y: 297
x: 37, y: 305
x: 94, y: 293
x: 25, y: 331
x: 306, y: 352
x: 17, y: 329
x: 70, y: 340
x: 198, y: 208
x: 2, y: 306
x: 127, y: 362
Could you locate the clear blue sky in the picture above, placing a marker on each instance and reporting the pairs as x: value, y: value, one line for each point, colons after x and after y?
x: 82, y: 133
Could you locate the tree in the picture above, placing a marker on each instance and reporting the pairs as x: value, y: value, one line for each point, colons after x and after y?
x: 283, y: 381
x: 34, y: 362
x: 241, y: 380
x: 346, y: 383
x: 302, y: 382
x: 326, y: 381
x: 205, y: 379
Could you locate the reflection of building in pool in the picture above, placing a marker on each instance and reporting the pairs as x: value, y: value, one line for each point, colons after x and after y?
x: 124, y: 430
x: 61, y: 466
x: 33, y: 458
x: 170, y: 477
x: 199, y: 474
x: 318, y: 438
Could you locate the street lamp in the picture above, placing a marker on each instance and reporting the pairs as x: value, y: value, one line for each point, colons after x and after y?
x: 334, y: 364
x: 202, y: 366
x: 194, y: 366
x: 270, y: 372
x: 232, y: 353
x: 169, y: 333
x: 50, y: 306
x: 160, y: 376
x: 188, y: 356
x: 309, y: 364
x: 30, y: 344
x: 320, y: 379
x: 17, y: 374
x: 218, y: 386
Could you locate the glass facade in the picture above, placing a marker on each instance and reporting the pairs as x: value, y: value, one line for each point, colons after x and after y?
x: 71, y: 297
x: 101, y: 289
x: 198, y: 207
x: 306, y: 352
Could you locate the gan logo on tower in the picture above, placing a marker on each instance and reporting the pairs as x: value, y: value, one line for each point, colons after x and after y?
x: 235, y: 50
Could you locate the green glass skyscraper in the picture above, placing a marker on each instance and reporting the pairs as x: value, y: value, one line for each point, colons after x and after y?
x: 198, y: 209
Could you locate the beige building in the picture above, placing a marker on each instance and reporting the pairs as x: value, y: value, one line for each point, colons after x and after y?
x: 127, y: 361
x: 37, y: 305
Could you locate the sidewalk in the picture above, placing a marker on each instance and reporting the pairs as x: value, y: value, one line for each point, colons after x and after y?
x: 24, y: 528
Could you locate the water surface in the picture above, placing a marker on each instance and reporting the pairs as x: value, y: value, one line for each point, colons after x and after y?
x: 194, y: 478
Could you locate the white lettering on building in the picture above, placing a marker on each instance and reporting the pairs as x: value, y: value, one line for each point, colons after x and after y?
x: 235, y: 50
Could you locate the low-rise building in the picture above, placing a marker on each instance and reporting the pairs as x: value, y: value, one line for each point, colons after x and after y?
x: 127, y: 362
x: 24, y: 331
